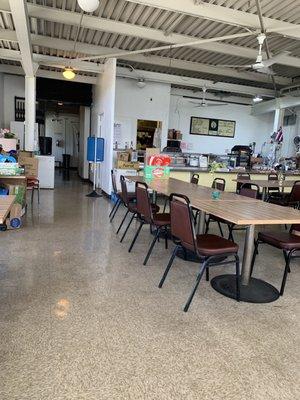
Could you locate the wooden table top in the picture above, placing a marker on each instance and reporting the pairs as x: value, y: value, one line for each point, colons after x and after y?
x: 232, y: 207
x: 6, y: 203
x: 266, y: 183
x: 194, y: 192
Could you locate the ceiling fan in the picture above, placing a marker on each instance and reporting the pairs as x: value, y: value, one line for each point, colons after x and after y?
x: 260, y: 65
x: 204, y: 102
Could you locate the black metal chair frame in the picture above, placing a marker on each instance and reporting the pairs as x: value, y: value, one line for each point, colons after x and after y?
x: 125, y: 194
x: 288, y: 256
x: 205, y: 262
x: 210, y: 217
x: 142, y: 220
x: 119, y: 201
x: 240, y: 175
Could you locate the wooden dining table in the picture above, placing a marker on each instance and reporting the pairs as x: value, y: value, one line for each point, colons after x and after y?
x: 239, y: 210
x: 266, y: 184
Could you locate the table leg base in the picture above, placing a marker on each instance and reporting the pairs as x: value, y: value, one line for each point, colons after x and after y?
x: 257, y: 291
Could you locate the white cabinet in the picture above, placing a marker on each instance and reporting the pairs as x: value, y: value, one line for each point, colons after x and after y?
x: 46, y: 170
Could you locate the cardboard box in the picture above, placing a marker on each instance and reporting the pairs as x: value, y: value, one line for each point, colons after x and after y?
x: 123, y: 156
x: 8, y: 144
x: 19, y: 191
x: 128, y: 165
x: 24, y: 154
x: 31, y: 165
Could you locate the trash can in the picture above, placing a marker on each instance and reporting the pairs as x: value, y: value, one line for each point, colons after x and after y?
x: 66, y: 161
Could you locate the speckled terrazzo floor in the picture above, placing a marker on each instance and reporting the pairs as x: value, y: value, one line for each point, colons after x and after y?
x: 81, y: 318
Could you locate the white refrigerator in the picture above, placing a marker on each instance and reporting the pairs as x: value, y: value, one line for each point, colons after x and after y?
x: 46, y: 170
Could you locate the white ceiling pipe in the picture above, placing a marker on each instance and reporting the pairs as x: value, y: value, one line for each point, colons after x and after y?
x: 272, y: 105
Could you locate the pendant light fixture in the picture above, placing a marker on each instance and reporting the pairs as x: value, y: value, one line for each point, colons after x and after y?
x: 69, y: 73
x: 88, y: 5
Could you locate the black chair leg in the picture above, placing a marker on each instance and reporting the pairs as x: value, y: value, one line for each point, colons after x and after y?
x: 237, y: 277
x: 123, y: 220
x: 166, y: 239
x: 286, y: 270
x: 126, y: 230
x: 135, y: 236
x: 116, y: 209
x: 230, y: 235
x: 220, y: 228
x: 168, y: 267
x: 113, y: 209
x: 207, y: 274
x: 151, y: 247
x: 207, y: 225
x: 165, y: 205
x: 188, y: 303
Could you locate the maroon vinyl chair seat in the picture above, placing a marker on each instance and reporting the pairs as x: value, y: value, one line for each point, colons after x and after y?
x: 208, y: 248
x: 211, y: 245
x: 280, y: 240
x: 288, y: 242
x: 144, y: 211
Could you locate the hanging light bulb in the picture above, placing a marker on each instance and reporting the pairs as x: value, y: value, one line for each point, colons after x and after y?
x: 88, y: 5
x: 69, y: 74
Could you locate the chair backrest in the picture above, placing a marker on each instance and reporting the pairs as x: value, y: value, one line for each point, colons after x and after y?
x: 273, y: 176
x: 124, y: 190
x: 195, y: 179
x: 295, y: 229
x: 243, y: 176
x: 295, y: 193
x: 249, y: 190
x: 143, y: 203
x: 219, y: 184
x: 182, y: 227
x: 113, y: 181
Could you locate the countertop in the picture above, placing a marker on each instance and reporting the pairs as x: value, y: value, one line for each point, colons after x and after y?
x: 206, y: 170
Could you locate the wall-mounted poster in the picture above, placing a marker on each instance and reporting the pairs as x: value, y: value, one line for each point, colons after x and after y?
x: 212, y: 127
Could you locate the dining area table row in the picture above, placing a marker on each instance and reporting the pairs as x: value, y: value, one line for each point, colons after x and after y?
x: 187, y: 212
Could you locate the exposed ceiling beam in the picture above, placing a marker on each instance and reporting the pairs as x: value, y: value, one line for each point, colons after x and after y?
x: 20, y: 18
x: 193, y: 82
x: 151, y: 76
x: 194, y: 95
x: 122, y: 28
x: 54, y: 62
x: 15, y: 70
x: 68, y: 45
x: 272, y: 105
x: 224, y: 15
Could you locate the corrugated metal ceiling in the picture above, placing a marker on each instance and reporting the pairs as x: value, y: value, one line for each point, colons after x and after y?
x: 166, y: 21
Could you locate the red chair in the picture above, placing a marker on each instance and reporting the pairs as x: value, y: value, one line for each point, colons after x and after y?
x: 145, y: 215
x: 288, y: 242
x: 209, y: 248
x: 33, y: 184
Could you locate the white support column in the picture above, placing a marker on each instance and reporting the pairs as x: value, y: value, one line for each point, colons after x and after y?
x: 30, y: 95
x: 278, y: 119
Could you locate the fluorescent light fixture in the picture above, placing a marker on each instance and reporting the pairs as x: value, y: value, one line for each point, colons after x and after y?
x: 69, y: 74
x: 88, y: 5
x: 257, y: 99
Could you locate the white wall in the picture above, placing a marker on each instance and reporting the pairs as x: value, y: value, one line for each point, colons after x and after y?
x: 102, y: 120
x: 85, y: 119
x: 14, y: 85
x: 132, y: 103
x: 248, y: 128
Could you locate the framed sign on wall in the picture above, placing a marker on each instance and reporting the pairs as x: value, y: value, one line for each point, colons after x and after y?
x: 212, y: 127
